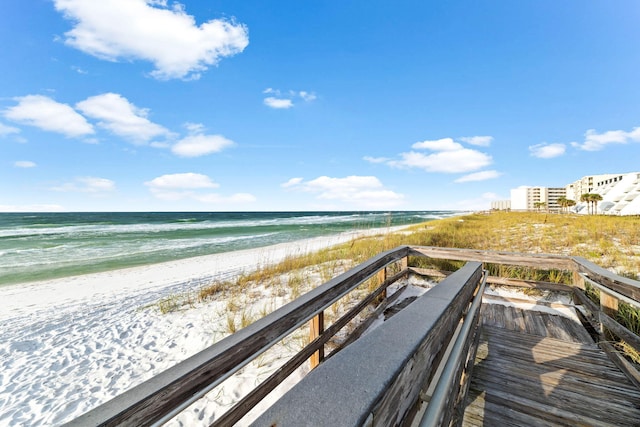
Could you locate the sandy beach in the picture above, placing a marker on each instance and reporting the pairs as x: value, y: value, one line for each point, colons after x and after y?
x: 68, y: 345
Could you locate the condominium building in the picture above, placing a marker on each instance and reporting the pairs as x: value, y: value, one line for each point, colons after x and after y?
x: 536, y: 198
x: 587, y: 184
x: 501, y: 205
x: 620, y: 195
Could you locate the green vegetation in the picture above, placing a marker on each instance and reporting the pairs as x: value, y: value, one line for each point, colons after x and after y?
x: 565, y: 204
x: 611, y: 242
x: 592, y: 200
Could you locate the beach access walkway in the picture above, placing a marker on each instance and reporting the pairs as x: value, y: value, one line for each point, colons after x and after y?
x: 538, y: 369
x: 459, y: 354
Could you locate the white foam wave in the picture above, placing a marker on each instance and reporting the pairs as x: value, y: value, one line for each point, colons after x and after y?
x: 180, y: 225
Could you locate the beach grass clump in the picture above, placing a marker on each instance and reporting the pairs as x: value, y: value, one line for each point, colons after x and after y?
x: 629, y: 315
x: 175, y: 302
x: 213, y: 289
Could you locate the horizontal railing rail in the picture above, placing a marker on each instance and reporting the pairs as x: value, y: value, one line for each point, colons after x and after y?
x: 162, y: 397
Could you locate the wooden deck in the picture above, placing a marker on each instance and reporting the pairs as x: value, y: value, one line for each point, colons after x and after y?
x: 538, y: 369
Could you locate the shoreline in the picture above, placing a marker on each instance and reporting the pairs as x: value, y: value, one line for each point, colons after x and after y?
x: 27, y: 297
x: 68, y: 345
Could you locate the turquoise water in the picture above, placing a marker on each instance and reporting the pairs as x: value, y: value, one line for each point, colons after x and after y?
x: 39, y: 246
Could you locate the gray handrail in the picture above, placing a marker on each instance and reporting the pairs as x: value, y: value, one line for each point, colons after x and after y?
x: 437, y: 404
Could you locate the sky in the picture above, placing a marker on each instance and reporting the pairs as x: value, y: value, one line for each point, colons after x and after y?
x: 152, y: 105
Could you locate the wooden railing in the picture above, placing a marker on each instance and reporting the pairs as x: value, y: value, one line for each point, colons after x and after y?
x: 159, y: 399
x: 378, y: 379
x: 167, y: 394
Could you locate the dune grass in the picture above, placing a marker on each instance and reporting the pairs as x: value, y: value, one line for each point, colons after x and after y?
x: 611, y: 242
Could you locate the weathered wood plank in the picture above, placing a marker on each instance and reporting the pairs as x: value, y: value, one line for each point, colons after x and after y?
x: 532, y: 321
x: 316, y: 328
x: 557, y: 412
x: 524, y: 379
x: 541, y: 261
x: 617, y: 329
x: 623, y: 285
x: 362, y: 327
x: 520, y: 378
x: 496, y: 280
x: 630, y: 371
x: 485, y: 414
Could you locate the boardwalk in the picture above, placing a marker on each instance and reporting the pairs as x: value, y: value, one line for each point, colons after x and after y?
x: 532, y: 367
x: 544, y: 376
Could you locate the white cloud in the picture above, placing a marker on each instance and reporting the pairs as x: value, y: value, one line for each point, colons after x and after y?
x: 375, y: 159
x: 87, y: 184
x: 444, y: 144
x: 479, y: 176
x: 47, y: 114
x: 149, y: 31
x: 7, y: 130
x: 181, y: 181
x: 482, y: 141
x: 200, y: 145
x: 181, y: 186
x: 595, y: 141
x: 24, y: 164
x: 279, y: 103
x: 449, y: 157
x: 116, y: 114
x: 307, y: 96
x: 79, y: 70
x: 457, y: 161
x: 284, y: 100
x: 547, y: 151
x: 362, y: 191
x: 194, y: 128
x: 292, y: 182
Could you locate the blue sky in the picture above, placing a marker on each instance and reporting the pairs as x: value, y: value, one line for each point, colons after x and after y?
x: 154, y: 105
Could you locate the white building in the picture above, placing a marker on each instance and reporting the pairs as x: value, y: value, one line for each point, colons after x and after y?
x: 501, y: 205
x: 587, y: 184
x: 527, y: 198
x: 620, y: 194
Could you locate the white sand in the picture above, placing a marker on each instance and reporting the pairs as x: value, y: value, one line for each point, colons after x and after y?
x: 68, y: 345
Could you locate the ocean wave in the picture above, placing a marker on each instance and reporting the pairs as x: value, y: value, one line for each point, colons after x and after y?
x: 189, y: 224
x: 73, y: 254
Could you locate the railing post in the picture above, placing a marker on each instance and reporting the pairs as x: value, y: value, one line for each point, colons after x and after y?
x: 578, y: 280
x: 608, y: 306
x: 382, y: 276
x: 316, y: 327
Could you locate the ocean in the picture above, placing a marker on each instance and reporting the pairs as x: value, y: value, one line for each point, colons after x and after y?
x: 42, y: 246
